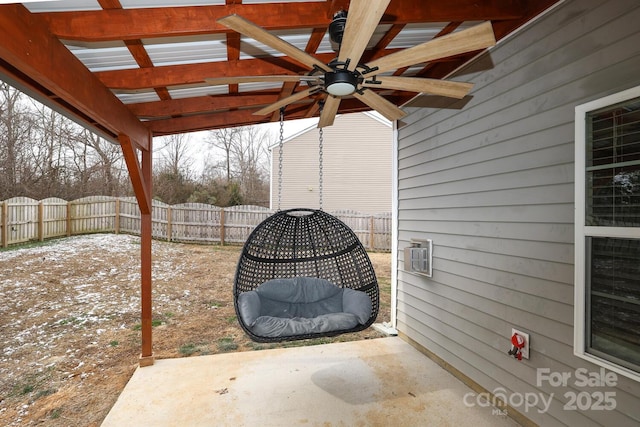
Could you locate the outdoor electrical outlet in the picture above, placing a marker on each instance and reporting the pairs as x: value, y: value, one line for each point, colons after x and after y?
x: 525, y: 349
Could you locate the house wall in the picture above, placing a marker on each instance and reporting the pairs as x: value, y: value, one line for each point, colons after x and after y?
x: 357, y: 166
x: 493, y: 186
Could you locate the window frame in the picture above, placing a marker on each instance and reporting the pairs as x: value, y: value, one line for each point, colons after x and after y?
x: 582, y: 232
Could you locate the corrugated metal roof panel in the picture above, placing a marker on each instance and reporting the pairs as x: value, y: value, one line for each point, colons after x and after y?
x: 104, y: 58
x: 174, y: 51
x: 186, y: 92
x: 251, y: 48
x: 247, y: 87
x: 62, y: 5
x: 132, y: 98
x: 136, y: 4
x: 414, y: 34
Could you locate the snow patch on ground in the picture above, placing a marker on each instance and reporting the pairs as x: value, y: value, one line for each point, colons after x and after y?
x: 89, y: 282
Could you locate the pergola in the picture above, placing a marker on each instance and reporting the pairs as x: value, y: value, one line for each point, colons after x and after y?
x: 134, y: 69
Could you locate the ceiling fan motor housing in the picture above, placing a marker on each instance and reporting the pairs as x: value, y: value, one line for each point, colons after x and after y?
x: 336, y: 28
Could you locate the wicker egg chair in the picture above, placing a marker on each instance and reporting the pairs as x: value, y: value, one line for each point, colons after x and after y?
x: 305, y: 243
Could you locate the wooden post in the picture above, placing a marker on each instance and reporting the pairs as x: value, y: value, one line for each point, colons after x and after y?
x: 141, y: 180
x: 116, y: 222
x: 372, y: 233
x: 40, y: 221
x: 222, y: 236
x: 146, y: 356
x: 4, y: 217
x: 68, y: 219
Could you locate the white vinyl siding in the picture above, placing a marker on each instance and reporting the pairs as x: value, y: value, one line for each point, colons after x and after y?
x: 493, y: 185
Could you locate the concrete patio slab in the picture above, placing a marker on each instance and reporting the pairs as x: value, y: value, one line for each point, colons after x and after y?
x: 380, y: 382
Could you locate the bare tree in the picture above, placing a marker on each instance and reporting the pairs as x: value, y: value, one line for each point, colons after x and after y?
x: 172, y: 181
x: 15, y: 142
x: 44, y: 154
x: 224, y: 140
x: 245, y: 158
x: 174, y: 155
x: 97, y: 165
x: 250, y: 159
x: 53, y: 159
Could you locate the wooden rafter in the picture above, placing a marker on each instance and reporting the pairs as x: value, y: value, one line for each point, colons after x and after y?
x: 33, y: 54
x: 127, y: 24
x: 133, y: 27
x: 171, y: 75
x: 246, y: 116
x: 215, y: 103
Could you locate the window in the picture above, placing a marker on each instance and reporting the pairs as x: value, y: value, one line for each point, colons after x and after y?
x: 607, y: 232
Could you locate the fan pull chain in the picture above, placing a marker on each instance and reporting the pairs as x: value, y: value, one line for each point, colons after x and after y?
x: 321, y: 141
x: 280, y: 157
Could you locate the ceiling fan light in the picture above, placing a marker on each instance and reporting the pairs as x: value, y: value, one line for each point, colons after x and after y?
x: 340, y: 83
x: 341, y: 89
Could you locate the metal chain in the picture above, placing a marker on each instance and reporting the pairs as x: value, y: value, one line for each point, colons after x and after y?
x: 321, y: 141
x: 280, y: 157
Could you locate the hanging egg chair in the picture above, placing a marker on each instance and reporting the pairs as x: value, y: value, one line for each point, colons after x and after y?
x: 304, y: 274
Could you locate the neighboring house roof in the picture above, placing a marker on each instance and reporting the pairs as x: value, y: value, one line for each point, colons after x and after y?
x: 314, y: 127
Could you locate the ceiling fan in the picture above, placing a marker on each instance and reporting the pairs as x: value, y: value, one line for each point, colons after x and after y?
x: 345, y: 76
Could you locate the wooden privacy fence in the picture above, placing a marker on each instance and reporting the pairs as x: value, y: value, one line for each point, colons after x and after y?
x: 23, y: 219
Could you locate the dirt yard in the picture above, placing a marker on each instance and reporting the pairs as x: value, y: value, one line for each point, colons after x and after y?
x: 70, y: 320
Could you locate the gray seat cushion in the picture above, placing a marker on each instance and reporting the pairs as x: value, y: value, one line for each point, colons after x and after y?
x: 302, y: 305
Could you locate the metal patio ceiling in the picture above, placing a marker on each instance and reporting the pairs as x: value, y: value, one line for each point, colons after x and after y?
x: 154, y: 55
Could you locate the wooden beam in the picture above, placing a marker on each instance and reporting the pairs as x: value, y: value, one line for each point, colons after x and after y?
x: 233, y: 54
x: 33, y: 57
x: 172, y: 75
x: 317, y: 34
x: 204, y: 122
x: 246, y: 117
x: 379, y: 49
x: 412, y: 11
x: 201, y: 104
x: 102, y: 25
x: 123, y: 24
x: 140, y: 188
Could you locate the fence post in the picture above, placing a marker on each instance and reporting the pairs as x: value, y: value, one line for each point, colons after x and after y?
x: 5, y: 224
x: 116, y: 221
x: 40, y: 221
x: 169, y: 227
x: 68, y: 219
x: 222, y: 236
x: 372, y: 233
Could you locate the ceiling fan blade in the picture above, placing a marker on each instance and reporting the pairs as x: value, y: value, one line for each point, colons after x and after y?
x: 329, y: 111
x: 381, y: 105
x: 286, y: 101
x: 253, y: 79
x: 417, y: 84
x: 362, y: 19
x: 475, y: 38
x: 249, y: 29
